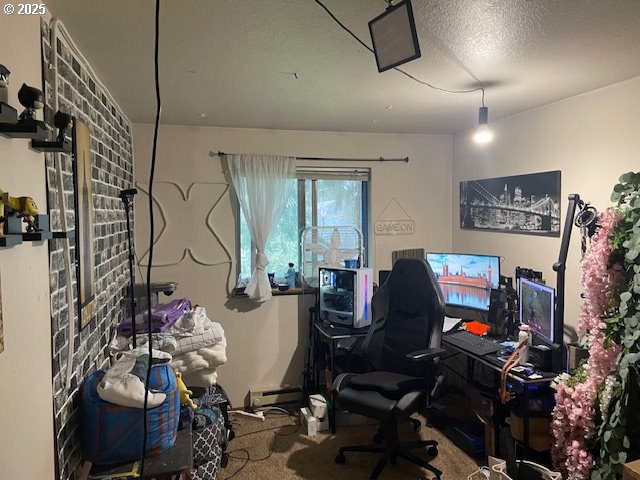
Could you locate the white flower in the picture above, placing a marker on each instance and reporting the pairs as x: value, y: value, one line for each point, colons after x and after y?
x: 606, y: 395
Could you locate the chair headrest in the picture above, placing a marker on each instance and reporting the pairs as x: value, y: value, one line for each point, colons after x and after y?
x: 413, y: 277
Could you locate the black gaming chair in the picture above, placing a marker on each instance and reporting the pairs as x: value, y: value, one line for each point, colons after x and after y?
x: 403, y: 348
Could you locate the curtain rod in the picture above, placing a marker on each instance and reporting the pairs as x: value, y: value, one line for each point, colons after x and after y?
x: 379, y: 159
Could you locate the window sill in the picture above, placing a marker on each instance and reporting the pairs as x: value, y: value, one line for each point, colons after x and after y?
x: 277, y: 293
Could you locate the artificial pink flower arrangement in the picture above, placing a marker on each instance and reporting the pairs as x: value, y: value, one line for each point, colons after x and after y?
x: 577, y: 396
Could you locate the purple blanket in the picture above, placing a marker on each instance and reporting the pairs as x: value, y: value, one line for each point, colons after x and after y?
x: 163, y: 316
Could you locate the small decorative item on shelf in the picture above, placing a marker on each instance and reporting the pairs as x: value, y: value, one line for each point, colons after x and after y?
x: 64, y: 123
x: 24, y: 208
x: 27, y: 125
x: 4, y: 83
x: 14, y: 211
x: 32, y: 99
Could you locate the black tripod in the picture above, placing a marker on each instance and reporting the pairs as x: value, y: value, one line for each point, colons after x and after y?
x: 127, y: 198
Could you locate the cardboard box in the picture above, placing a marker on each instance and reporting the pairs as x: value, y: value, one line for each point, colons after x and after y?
x: 576, y: 355
x: 631, y: 471
x: 489, y: 440
x: 540, y: 438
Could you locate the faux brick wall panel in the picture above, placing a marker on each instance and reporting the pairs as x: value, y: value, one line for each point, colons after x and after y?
x: 79, y: 93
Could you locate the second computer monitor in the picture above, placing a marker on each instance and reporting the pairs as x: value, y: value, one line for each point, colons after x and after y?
x: 466, y: 280
x: 537, y: 307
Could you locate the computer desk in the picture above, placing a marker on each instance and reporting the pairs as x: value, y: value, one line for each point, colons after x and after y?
x: 332, y: 334
x: 493, y: 363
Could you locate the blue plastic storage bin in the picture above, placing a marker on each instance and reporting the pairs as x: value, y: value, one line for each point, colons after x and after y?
x: 113, y: 434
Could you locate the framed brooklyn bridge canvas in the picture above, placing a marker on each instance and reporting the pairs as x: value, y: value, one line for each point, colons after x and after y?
x: 528, y: 204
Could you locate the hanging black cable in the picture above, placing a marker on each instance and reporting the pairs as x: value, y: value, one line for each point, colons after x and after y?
x: 152, y: 172
x: 406, y: 74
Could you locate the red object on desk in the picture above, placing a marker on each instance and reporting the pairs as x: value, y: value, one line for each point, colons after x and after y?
x: 477, y: 328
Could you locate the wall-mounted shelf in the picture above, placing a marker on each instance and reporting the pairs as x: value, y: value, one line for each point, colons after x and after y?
x: 69, y: 234
x: 14, y: 234
x: 39, y: 236
x: 10, y: 127
x: 10, y: 240
x: 63, y: 146
x: 24, y: 130
x: 8, y: 114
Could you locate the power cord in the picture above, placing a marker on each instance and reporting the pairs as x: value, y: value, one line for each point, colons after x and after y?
x: 151, y: 233
x: 403, y: 72
x: 248, y: 458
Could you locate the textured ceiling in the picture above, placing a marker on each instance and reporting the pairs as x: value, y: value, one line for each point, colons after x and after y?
x: 233, y: 60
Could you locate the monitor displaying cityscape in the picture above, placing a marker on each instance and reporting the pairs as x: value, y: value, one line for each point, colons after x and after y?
x: 537, y: 307
x: 466, y: 280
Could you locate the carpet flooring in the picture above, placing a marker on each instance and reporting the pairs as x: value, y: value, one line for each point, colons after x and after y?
x: 277, y: 449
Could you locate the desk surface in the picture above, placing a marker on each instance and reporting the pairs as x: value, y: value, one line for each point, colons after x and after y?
x: 178, y: 459
x: 335, y: 332
x: 492, y: 361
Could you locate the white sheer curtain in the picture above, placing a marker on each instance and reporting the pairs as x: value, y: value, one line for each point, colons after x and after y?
x: 262, y: 184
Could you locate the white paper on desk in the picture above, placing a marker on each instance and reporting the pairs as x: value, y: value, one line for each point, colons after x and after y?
x: 449, y: 323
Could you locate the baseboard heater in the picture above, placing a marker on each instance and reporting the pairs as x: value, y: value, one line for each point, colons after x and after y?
x: 263, y: 397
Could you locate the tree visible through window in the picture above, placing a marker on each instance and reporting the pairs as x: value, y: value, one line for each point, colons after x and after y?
x: 327, y: 201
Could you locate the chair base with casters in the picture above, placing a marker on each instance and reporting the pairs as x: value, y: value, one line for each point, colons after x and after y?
x: 391, y: 412
x: 391, y: 448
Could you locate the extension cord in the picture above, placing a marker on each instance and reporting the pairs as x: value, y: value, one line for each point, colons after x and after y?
x: 259, y: 415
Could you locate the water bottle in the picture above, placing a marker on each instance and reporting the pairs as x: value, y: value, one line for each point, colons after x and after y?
x: 523, y: 334
x: 291, y: 276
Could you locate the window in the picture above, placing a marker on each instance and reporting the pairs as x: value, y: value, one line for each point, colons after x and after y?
x: 324, y: 197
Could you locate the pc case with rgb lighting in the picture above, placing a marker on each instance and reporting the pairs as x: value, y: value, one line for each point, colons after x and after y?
x: 345, y: 296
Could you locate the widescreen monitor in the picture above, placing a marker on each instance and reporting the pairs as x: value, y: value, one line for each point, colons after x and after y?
x: 466, y: 280
x: 537, y: 307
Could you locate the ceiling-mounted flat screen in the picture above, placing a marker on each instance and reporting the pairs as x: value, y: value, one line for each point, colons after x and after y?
x: 394, y: 36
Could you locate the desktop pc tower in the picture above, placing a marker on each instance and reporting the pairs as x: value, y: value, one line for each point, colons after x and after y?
x: 345, y: 296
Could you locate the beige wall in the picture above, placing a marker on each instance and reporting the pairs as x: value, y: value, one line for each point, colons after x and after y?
x: 267, y: 343
x: 592, y: 138
x: 26, y: 420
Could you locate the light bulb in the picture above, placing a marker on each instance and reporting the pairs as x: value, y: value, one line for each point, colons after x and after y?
x: 483, y: 135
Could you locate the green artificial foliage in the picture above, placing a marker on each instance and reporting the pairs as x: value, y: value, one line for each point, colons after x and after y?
x: 618, y: 438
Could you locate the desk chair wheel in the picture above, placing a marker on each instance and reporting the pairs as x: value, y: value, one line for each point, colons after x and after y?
x: 340, y: 458
x: 417, y: 425
x: 432, y: 452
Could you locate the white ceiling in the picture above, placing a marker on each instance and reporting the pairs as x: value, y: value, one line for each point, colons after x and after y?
x: 233, y: 60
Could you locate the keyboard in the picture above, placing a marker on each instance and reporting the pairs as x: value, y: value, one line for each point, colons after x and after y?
x: 472, y: 343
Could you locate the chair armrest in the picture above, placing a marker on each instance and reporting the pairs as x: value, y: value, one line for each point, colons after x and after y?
x: 426, y: 354
x: 342, y: 381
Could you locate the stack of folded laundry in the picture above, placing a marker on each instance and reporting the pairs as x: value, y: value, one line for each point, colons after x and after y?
x: 197, y: 345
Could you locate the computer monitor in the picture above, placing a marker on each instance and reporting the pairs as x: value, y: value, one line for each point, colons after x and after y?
x: 466, y: 280
x: 537, y: 308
